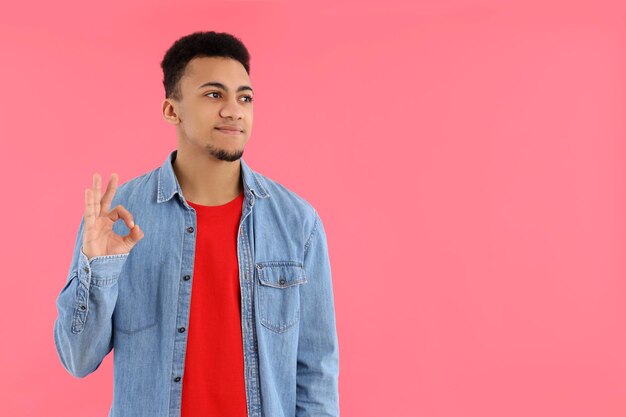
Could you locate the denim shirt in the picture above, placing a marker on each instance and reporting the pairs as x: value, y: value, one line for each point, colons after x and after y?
x: 138, y: 303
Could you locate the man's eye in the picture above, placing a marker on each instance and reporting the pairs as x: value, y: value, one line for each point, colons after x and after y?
x: 250, y: 98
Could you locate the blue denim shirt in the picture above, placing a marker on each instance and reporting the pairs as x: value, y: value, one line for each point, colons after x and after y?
x: 138, y: 303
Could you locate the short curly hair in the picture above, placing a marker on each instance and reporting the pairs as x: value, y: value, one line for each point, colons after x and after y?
x: 199, y: 44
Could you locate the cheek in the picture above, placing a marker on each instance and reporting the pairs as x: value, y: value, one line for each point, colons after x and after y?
x: 201, y: 119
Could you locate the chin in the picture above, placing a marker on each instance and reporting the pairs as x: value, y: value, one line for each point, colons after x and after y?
x: 224, y: 153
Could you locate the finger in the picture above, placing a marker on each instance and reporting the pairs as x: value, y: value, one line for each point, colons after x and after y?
x: 90, y: 217
x: 97, y: 189
x: 119, y: 212
x: 134, y: 236
x: 107, y: 198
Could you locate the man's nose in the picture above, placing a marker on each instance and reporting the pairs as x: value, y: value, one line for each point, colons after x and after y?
x: 232, y: 109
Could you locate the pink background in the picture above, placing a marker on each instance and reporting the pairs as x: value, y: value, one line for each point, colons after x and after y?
x: 467, y: 158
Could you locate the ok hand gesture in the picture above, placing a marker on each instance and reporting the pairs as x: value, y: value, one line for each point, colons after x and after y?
x: 98, y: 237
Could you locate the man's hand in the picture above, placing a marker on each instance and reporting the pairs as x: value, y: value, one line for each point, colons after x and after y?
x: 99, y: 238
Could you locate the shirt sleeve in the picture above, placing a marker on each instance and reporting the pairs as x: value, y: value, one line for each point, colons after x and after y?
x: 83, y: 326
x: 318, y: 351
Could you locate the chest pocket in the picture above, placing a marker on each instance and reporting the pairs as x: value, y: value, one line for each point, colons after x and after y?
x: 135, y: 309
x: 278, y: 294
x: 138, y: 283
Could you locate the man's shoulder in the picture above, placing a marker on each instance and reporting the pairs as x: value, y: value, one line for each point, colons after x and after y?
x: 143, y: 183
x: 284, y: 196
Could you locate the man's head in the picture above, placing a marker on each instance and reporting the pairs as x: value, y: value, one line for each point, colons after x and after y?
x: 206, y: 76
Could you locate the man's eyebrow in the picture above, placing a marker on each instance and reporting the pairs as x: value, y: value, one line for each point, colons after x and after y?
x: 223, y: 87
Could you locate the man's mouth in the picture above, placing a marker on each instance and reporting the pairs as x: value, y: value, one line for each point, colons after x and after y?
x: 230, y: 131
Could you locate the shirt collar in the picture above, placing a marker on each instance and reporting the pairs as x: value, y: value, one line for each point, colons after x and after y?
x: 168, y: 183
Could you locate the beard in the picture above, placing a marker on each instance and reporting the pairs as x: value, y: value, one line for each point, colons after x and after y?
x: 223, y: 154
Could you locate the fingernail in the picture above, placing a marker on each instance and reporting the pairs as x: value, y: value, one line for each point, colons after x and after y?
x: 132, y: 224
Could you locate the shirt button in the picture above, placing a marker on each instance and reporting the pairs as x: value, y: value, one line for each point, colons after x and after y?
x: 282, y: 281
x: 86, y: 269
x: 186, y: 277
x: 82, y: 307
x: 177, y: 379
x: 181, y: 330
x: 190, y: 229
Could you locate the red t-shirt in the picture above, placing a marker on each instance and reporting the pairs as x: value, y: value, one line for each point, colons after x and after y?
x: 213, y: 380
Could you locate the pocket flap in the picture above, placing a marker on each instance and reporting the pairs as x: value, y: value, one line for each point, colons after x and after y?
x: 281, y: 274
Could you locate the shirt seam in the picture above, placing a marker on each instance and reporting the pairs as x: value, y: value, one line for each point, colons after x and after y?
x: 313, y: 232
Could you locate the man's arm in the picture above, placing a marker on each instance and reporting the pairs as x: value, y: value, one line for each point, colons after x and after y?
x: 82, y: 329
x: 317, y: 388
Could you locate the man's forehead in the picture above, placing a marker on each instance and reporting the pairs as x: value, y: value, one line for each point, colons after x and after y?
x: 224, y: 87
x: 200, y: 72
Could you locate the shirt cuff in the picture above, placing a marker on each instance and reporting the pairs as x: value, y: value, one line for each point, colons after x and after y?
x: 99, y: 268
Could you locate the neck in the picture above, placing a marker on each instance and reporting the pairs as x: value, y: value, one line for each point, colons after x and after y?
x: 205, y: 180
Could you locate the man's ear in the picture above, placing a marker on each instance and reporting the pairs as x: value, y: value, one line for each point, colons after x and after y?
x: 170, y: 111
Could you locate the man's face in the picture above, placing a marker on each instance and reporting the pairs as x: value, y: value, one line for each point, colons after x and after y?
x: 205, y: 110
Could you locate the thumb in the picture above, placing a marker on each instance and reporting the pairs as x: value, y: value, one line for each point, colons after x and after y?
x: 135, y: 235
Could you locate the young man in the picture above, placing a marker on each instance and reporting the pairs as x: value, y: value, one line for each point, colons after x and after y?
x: 215, y: 288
